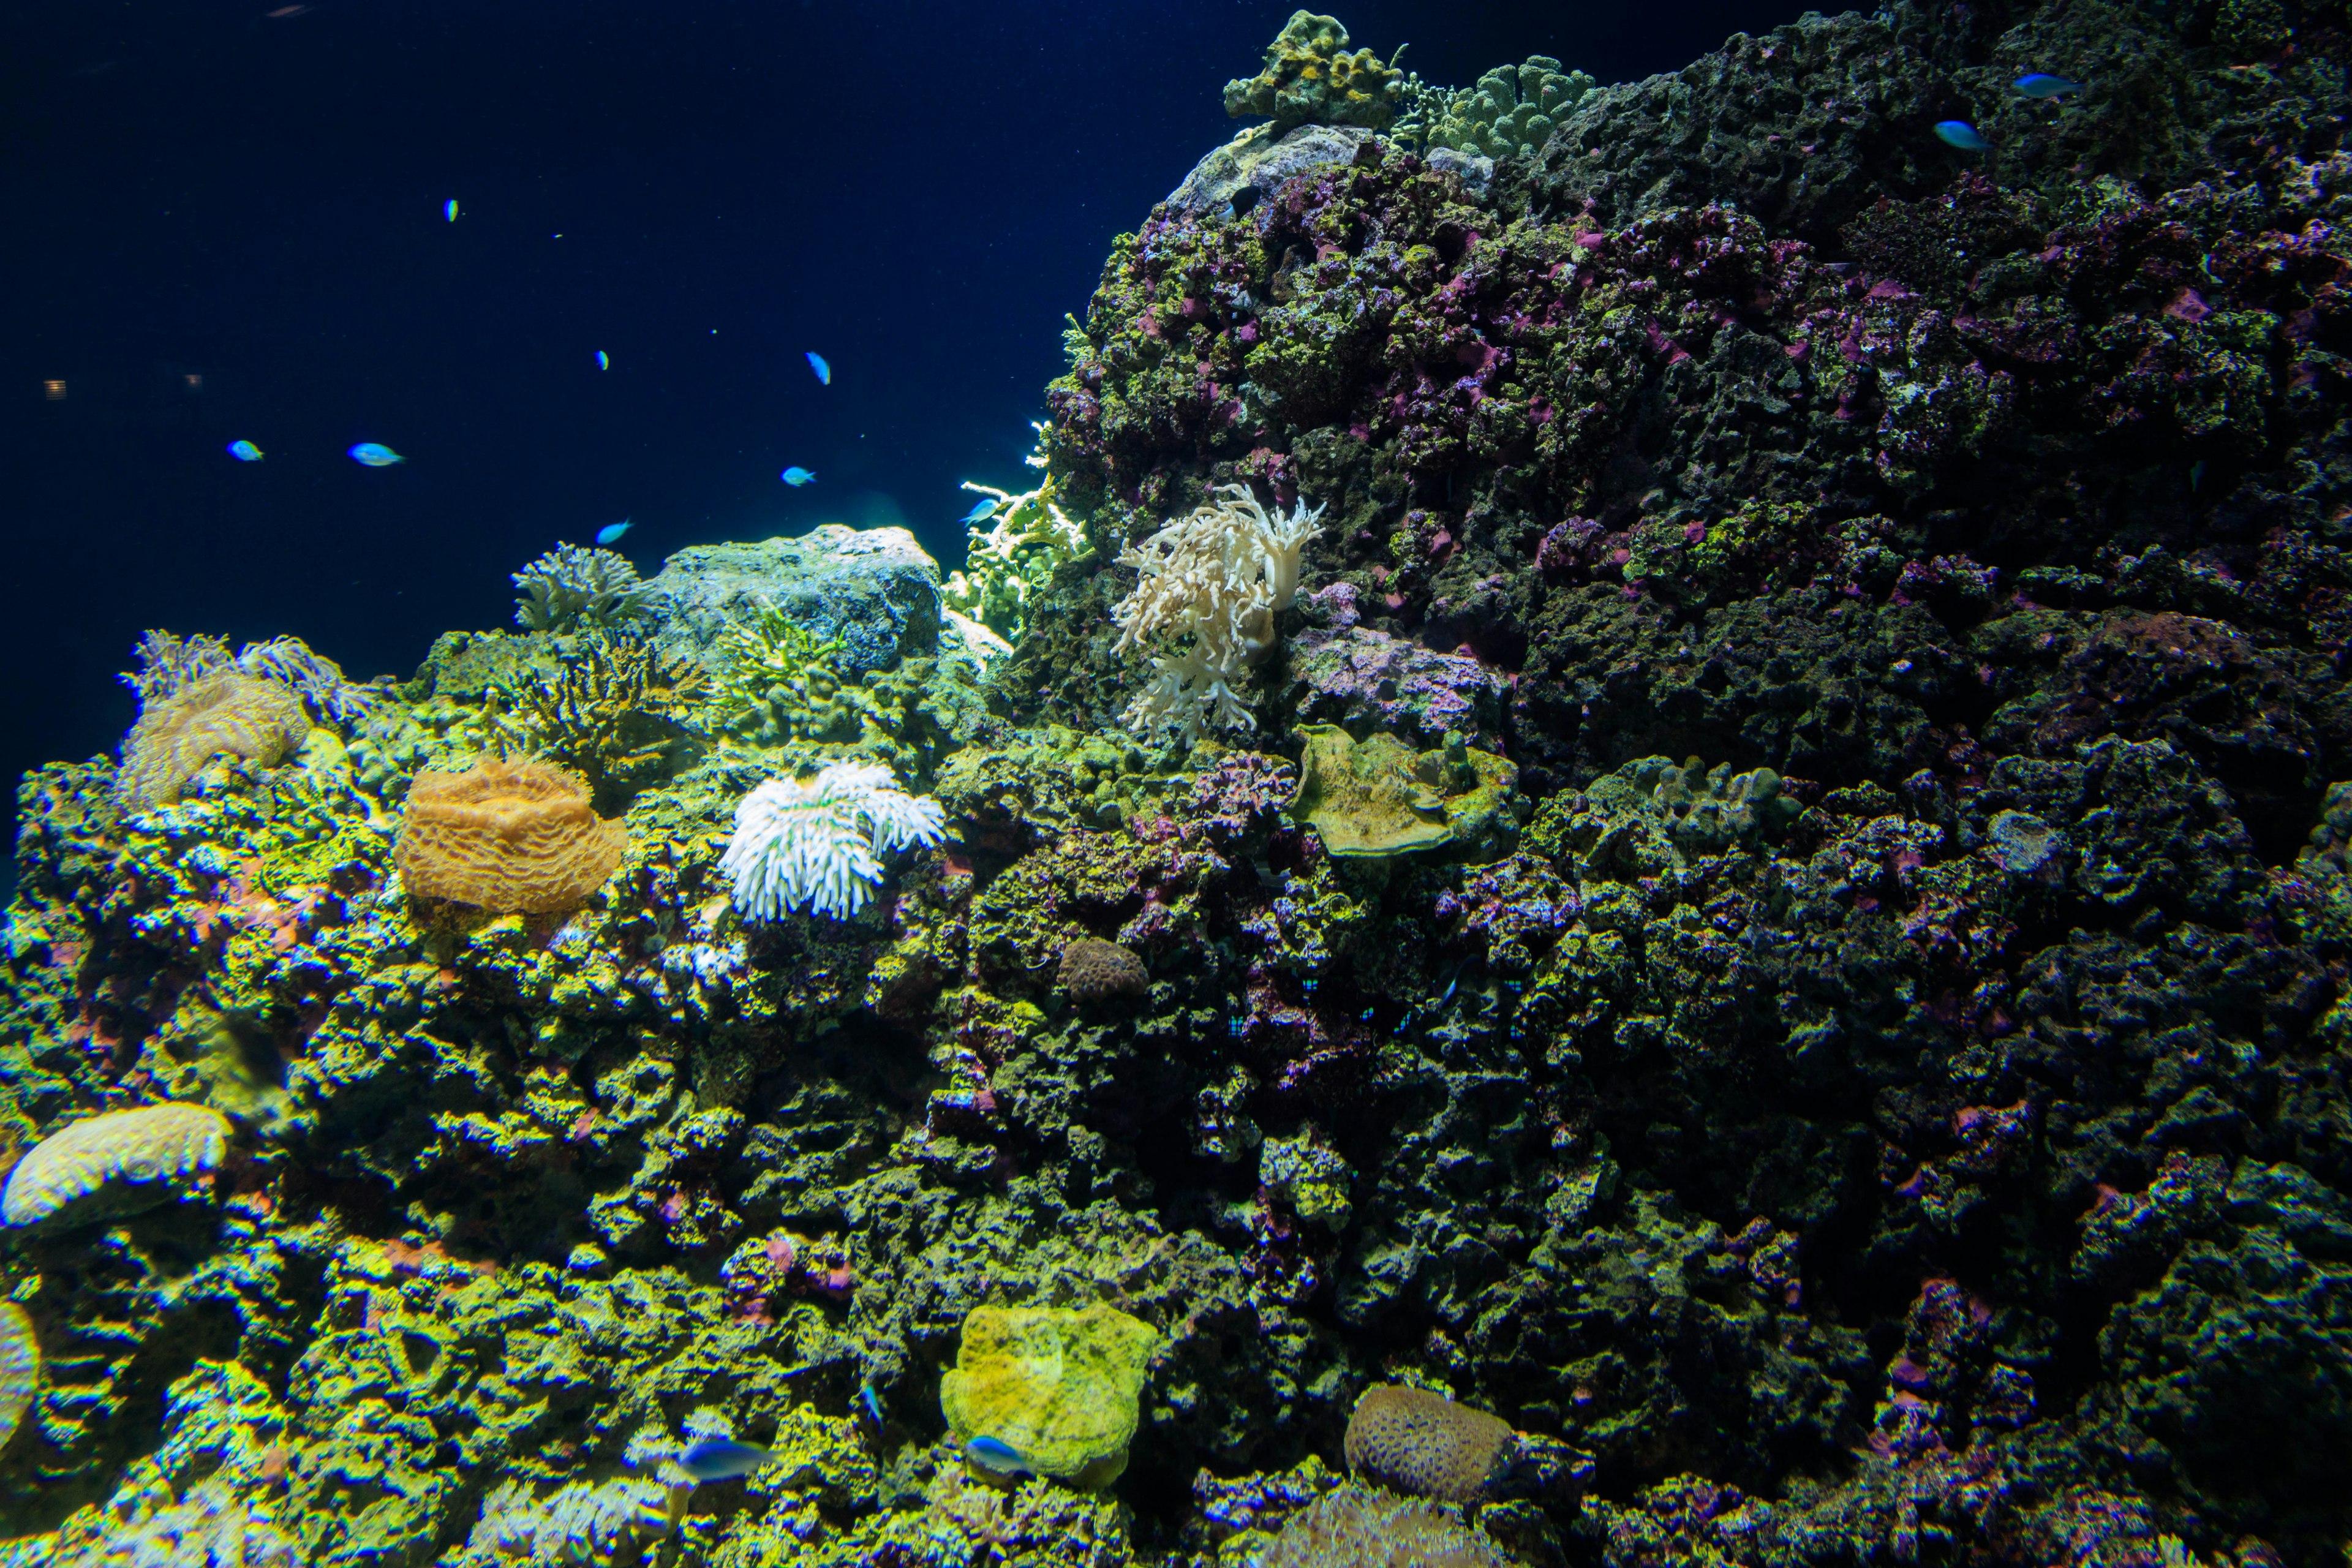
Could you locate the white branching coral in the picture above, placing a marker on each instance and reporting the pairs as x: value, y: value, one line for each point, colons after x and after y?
x: 820, y: 841
x: 1209, y: 587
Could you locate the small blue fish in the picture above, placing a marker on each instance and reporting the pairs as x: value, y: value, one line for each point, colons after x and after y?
x: 796, y: 476
x: 873, y: 1403
x: 721, y: 1459
x: 603, y: 362
x: 824, y: 371
x: 2042, y: 84
x: 449, y: 209
x: 611, y: 533
x: 1961, y: 134
x: 997, y: 1458
x: 2197, y: 473
x: 375, y: 455
x: 245, y: 451
x: 978, y: 513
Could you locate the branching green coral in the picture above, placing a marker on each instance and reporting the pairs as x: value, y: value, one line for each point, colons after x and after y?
x: 1028, y: 537
x: 1512, y: 110
x: 618, y: 714
x: 1311, y: 78
x: 770, y: 663
x: 569, y: 584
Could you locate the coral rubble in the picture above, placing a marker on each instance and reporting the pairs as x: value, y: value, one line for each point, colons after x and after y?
x: 1760, y: 886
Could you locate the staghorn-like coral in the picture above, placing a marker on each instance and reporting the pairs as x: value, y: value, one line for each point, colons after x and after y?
x: 507, y: 836
x: 227, y: 713
x: 1208, y: 588
x: 820, y: 841
x: 572, y: 585
x: 117, y: 1161
x: 1027, y: 539
x: 617, y: 713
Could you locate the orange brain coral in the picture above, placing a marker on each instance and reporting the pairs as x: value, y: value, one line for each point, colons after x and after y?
x: 228, y: 714
x: 512, y: 837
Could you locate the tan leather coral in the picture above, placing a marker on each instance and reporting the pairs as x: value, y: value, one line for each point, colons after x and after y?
x: 228, y: 714
x: 512, y: 836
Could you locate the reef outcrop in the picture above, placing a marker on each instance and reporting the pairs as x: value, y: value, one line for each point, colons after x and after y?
x: 1780, y: 924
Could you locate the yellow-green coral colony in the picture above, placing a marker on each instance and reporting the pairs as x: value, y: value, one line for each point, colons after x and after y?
x: 116, y: 1161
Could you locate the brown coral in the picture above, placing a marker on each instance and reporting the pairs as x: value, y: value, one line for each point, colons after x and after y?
x: 228, y: 714
x: 1425, y: 1444
x: 1092, y: 970
x: 1357, y: 1528
x: 512, y: 836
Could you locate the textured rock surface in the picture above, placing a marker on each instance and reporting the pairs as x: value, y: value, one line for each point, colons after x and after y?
x: 1257, y: 161
x: 874, y: 590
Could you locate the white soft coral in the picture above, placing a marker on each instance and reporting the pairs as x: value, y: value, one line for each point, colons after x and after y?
x: 819, y: 841
x: 1217, y: 577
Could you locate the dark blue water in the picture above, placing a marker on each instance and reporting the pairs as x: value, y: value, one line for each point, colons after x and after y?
x: 225, y: 225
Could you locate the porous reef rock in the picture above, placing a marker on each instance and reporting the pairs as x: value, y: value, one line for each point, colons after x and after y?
x: 874, y: 590
x: 1059, y: 1386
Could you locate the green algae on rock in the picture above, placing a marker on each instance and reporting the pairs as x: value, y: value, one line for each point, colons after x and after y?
x: 1058, y: 1385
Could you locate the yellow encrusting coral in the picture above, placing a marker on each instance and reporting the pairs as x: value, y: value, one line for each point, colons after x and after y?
x: 224, y: 714
x: 20, y: 1368
x: 1058, y: 1386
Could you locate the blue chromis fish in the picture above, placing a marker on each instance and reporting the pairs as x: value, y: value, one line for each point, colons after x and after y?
x: 978, y: 513
x: 375, y: 454
x: 449, y: 209
x: 1961, y: 134
x: 796, y: 476
x: 997, y: 1459
x: 722, y: 1458
x: 2042, y: 84
x: 611, y: 533
x: 872, y: 1400
x: 824, y: 371
x: 245, y: 451
x: 603, y: 362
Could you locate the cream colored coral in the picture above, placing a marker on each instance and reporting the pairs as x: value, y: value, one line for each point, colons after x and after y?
x: 1210, y: 586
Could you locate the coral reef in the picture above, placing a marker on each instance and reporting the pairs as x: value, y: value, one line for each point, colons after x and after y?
x: 572, y: 585
x: 1857, y: 1070
x: 1309, y: 75
x: 227, y: 713
x: 1059, y: 1387
x: 117, y: 1161
x: 513, y: 836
